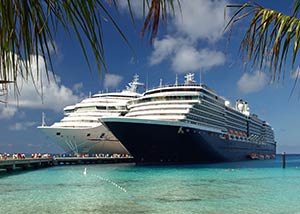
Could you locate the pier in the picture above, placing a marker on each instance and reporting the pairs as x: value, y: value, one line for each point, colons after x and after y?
x: 12, y: 164
x: 35, y: 163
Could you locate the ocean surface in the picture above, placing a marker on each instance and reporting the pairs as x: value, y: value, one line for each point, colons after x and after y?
x: 242, y: 187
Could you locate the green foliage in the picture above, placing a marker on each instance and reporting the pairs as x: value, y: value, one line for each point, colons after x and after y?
x: 158, y: 10
x: 28, y: 29
x: 269, y: 36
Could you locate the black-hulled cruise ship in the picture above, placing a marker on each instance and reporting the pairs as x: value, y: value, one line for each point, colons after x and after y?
x: 191, y: 124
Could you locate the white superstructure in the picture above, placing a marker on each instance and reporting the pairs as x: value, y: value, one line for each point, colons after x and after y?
x: 80, y: 131
x: 199, y: 105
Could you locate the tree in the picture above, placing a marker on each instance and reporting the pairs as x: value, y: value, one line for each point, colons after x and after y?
x: 269, y: 37
x: 29, y: 27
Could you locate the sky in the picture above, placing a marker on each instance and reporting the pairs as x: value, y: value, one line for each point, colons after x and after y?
x: 193, y: 41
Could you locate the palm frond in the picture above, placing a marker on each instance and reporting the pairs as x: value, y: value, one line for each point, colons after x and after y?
x: 158, y: 10
x: 296, y: 8
x: 269, y: 36
x: 28, y: 28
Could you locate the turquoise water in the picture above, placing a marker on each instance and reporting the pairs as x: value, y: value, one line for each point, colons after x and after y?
x: 244, y: 187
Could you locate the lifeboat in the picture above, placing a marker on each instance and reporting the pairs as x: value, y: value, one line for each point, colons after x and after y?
x: 253, y: 156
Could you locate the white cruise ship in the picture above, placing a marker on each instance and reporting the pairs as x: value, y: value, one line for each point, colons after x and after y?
x: 81, y: 132
x: 190, y: 123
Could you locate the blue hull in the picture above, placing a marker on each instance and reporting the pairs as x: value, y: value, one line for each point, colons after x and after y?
x: 151, y: 143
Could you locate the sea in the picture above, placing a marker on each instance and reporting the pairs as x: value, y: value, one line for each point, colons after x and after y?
x: 226, y: 188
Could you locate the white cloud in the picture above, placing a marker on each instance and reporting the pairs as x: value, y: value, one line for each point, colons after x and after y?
x: 201, y: 23
x: 250, y: 83
x: 188, y: 59
x: 136, y: 7
x: 7, y: 111
x: 184, y: 56
x: 37, y: 93
x: 77, y: 87
x: 163, y: 49
x: 201, y: 19
x: 197, y: 19
x: 22, y: 126
x: 30, y: 145
x: 112, y: 80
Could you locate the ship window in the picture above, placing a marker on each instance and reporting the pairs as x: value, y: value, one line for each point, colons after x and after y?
x: 101, y: 107
x: 57, y: 133
x: 88, y: 134
x: 102, y: 135
x: 123, y: 113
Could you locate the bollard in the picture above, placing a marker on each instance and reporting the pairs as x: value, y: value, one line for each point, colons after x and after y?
x: 283, y: 160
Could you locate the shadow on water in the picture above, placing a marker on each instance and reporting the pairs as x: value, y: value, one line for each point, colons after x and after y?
x: 19, y: 171
x: 292, y: 161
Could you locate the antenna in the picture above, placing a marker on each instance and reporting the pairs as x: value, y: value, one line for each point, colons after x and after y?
x: 200, y: 73
x: 160, y: 82
x: 176, y: 80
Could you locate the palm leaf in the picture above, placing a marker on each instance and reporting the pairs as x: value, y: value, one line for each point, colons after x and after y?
x: 296, y: 8
x: 268, y: 37
x: 159, y: 9
x: 28, y: 28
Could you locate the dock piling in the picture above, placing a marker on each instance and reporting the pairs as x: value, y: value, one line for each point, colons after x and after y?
x: 283, y: 160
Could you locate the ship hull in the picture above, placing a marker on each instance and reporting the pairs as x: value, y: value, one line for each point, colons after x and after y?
x: 95, y: 140
x: 162, y: 142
